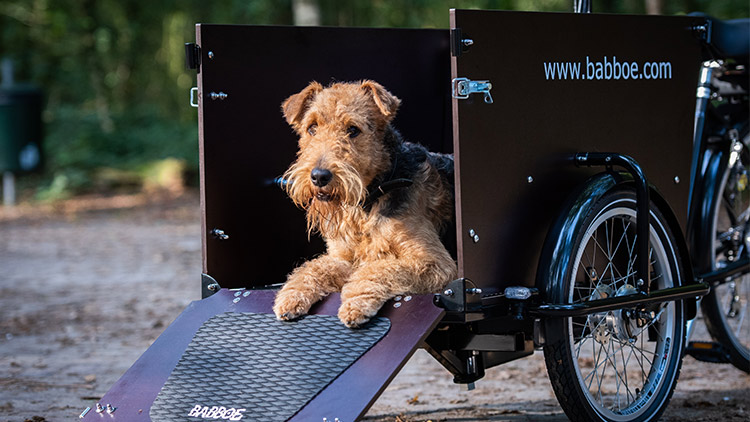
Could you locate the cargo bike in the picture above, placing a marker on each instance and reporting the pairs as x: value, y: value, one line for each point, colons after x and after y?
x: 576, y: 228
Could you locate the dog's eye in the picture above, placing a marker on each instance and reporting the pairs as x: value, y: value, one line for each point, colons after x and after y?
x: 312, y: 129
x: 353, y: 131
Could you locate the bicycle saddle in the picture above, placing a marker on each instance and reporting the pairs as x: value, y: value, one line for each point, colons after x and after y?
x: 730, y: 39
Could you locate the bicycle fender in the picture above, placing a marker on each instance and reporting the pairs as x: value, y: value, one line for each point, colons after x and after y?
x: 564, y: 233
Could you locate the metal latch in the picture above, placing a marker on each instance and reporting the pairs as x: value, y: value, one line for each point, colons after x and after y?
x: 463, y: 87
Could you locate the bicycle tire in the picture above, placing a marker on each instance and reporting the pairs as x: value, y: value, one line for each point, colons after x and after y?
x: 725, y: 308
x: 654, y: 366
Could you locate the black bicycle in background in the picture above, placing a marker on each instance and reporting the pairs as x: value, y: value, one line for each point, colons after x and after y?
x: 720, y: 206
x: 719, y: 218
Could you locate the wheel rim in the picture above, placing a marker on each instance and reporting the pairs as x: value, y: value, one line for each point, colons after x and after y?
x: 731, y: 219
x: 619, y: 369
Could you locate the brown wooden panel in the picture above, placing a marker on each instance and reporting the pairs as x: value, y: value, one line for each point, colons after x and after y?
x: 535, y: 122
x: 245, y: 142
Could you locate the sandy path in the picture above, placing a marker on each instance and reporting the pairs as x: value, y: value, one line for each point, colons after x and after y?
x: 84, y: 293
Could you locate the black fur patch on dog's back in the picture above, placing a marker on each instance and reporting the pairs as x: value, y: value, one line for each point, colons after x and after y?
x: 407, y: 159
x: 406, y: 163
x: 444, y: 165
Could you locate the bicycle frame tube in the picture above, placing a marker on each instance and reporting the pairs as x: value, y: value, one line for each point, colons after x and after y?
x: 703, y: 96
x: 690, y: 291
x: 582, y: 6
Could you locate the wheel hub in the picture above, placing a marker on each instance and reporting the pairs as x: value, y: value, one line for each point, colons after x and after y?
x: 625, y: 322
x: 622, y: 324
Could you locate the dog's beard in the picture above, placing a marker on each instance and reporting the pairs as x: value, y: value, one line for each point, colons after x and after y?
x: 326, y: 208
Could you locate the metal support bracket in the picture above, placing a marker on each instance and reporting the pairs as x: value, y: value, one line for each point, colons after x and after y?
x: 209, y: 286
x: 462, y: 88
x: 703, y: 31
x: 642, y: 209
x: 460, y: 296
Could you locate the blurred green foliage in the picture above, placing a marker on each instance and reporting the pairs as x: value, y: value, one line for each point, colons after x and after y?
x: 114, y: 77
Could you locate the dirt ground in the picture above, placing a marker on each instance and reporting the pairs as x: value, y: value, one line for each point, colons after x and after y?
x: 87, y: 285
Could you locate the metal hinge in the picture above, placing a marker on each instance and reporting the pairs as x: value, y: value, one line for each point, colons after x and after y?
x: 463, y: 87
x: 192, y: 56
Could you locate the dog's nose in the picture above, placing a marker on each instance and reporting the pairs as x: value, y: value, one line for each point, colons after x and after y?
x: 320, y: 177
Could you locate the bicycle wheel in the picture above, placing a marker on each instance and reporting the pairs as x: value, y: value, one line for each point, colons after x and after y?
x: 725, y: 308
x: 619, y: 365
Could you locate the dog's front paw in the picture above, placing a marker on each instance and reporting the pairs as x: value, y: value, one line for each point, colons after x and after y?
x: 354, y: 315
x: 290, y: 305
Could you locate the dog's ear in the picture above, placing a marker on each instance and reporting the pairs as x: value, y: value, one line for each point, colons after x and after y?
x: 295, y: 106
x: 386, y: 102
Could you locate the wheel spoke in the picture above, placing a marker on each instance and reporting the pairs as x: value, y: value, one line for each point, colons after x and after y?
x: 640, y: 356
x: 633, y: 257
x: 610, y: 359
x: 625, y: 373
x: 623, y: 237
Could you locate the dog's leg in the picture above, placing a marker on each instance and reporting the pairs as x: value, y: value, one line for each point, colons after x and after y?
x: 372, y: 284
x: 309, y: 283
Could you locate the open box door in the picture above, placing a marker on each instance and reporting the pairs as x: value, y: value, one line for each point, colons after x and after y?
x: 245, y: 142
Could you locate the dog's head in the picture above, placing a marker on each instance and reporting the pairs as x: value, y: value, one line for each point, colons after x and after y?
x: 342, y: 143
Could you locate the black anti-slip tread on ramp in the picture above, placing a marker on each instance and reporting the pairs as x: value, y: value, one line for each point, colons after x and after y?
x: 251, y: 365
x: 227, y: 352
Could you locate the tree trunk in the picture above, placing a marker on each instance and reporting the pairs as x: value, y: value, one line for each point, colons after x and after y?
x: 654, y: 7
x: 306, y: 12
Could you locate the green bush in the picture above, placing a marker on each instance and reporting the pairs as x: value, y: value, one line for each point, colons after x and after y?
x: 82, y: 155
x: 116, y: 86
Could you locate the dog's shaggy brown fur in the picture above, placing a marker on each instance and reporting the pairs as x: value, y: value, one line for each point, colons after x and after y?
x: 379, y: 203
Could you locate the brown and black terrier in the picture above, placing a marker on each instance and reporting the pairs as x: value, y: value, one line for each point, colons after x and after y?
x: 379, y: 202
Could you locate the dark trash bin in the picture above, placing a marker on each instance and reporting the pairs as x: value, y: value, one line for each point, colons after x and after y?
x: 20, y: 128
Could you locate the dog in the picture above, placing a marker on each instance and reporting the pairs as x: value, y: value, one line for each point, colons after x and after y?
x: 379, y: 202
